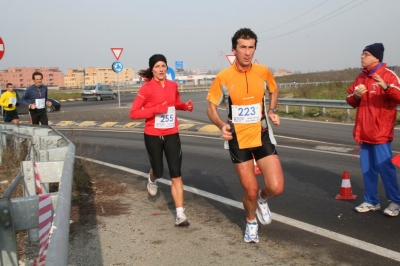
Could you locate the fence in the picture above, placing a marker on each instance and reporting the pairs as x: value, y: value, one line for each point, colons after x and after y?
x: 341, y: 104
x: 51, y: 155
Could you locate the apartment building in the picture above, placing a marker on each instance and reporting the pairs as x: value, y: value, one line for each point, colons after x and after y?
x: 22, y: 77
x: 78, y: 78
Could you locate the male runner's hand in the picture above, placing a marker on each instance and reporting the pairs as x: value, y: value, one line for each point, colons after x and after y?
x: 226, y: 132
x: 274, y: 118
x: 189, y: 106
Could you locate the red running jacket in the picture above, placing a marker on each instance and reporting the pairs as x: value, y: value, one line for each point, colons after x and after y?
x: 377, y: 109
x: 148, y: 102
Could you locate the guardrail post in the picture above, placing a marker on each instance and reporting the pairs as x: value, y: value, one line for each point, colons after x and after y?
x: 7, y: 235
x: 29, y: 188
x: 323, y: 111
x: 303, y: 110
x: 348, y: 114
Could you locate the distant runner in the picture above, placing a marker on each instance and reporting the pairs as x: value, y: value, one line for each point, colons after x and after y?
x: 9, y: 102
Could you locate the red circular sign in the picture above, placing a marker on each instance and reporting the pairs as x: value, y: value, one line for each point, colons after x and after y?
x: 2, y: 48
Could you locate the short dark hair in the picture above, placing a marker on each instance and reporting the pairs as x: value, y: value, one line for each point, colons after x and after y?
x: 243, y: 33
x: 36, y: 73
x: 9, y: 84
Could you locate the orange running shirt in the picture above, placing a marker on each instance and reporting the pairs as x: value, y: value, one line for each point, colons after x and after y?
x: 243, y: 93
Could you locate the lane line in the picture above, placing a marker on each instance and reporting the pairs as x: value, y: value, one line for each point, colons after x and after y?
x: 381, y: 251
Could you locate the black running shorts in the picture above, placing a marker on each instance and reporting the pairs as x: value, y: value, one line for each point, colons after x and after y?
x: 243, y: 155
x: 10, y: 115
x: 171, y: 146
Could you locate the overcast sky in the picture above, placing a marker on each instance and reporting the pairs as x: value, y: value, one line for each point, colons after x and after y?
x: 80, y: 33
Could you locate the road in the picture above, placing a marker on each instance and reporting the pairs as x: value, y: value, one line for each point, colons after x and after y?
x: 314, y: 156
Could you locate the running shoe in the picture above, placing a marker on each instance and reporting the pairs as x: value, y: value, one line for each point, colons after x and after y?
x: 181, y: 219
x: 251, y: 233
x: 263, y: 213
x: 152, y: 187
x: 366, y: 207
x: 392, y: 210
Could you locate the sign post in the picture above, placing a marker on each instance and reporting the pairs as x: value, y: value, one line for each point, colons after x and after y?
x: 117, y: 67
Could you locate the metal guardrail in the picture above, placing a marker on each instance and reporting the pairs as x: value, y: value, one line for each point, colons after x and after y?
x: 315, y: 83
x: 340, y: 104
x: 54, y: 157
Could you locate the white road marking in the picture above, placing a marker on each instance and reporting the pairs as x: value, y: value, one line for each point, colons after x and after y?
x: 280, y: 218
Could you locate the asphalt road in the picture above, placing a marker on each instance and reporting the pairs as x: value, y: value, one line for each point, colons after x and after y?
x: 314, y: 156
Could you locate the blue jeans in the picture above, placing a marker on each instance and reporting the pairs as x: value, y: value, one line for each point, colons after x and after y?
x: 376, y: 159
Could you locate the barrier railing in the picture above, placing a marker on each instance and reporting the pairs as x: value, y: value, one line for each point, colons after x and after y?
x: 341, y: 104
x: 51, y: 156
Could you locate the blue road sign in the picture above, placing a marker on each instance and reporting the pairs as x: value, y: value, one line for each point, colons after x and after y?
x: 99, y: 84
x: 181, y: 82
x: 117, y: 66
x: 170, y: 75
x: 179, y: 65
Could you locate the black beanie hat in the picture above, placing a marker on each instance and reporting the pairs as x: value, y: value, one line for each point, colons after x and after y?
x: 155, y: 58
x: 376, y: 50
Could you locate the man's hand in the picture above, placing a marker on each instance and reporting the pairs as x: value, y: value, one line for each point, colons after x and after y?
x: 10, y: 105
x: 48, y: 103
x: 359, y: 91
x: 32, y: 106
x: 226, y: 132
x: 379, y: 81
x: 274, y: 118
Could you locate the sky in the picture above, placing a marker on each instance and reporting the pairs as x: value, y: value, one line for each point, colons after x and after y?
x: 297, y: 35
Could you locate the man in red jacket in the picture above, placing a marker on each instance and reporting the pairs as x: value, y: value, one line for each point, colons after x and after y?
x: 376, y: 93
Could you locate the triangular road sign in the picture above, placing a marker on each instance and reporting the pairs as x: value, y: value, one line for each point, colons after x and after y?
x: 256, y: 62
x: 117, y: 52
x: 231, y: 58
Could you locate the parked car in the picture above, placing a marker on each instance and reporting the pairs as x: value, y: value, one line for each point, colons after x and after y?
x: 98, y: 92
x: 21, y: 109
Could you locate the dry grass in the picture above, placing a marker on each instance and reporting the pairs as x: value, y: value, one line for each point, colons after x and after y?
x: 10, y: 166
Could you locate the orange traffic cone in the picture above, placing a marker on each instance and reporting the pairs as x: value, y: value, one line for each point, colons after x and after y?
x: 396, y: 160
x: 256, y: 169
x: 346, y: 193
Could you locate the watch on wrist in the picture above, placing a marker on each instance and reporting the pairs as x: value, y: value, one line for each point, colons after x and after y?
x: 273, y: 110
x: 387, y: 87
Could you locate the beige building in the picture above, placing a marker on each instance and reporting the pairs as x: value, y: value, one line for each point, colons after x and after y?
x: 78, y: 78
x: 282, y: 72
x: 21, y: 77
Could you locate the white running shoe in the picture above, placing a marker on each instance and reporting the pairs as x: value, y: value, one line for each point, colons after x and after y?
x: 366, y: 207
x: 181, y: 219
x: 263, y: 213
x: 152, y: 187
x: 251, y: 233
x: 392, y: 210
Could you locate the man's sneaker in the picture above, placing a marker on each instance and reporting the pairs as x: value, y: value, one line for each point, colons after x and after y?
x: 366, y: 207
x: 263, y: 213
x: 251, y: 233
x: 152, y: 187
x: 181, y: 220
x: 392, y: 210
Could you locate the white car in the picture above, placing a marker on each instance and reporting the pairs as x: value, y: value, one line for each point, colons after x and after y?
x: 98, y: 92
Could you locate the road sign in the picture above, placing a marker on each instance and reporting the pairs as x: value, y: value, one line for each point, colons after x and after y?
x: 256, y: 62
x: 170, y: 74
x: 179, y: 65
x: 231, y: 58
x: 117, y: 52
x: 2, y: 48
x: 117, y: 66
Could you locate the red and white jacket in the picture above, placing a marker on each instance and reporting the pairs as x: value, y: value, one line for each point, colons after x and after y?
x: 150, y: 96
x: 377, y: 109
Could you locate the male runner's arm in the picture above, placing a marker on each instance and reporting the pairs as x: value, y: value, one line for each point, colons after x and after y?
x: 273, y: 103
x: 214, y: 117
